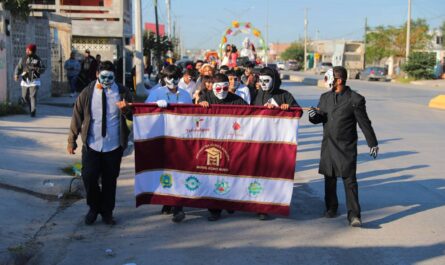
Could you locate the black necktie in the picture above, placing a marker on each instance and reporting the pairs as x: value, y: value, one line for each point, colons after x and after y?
x: 104, y: 113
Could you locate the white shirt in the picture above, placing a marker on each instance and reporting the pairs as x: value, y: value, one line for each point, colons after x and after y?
x: 163, y: 93
x: 111, y: 141
x: 244, y: 93
x: 191, y: 87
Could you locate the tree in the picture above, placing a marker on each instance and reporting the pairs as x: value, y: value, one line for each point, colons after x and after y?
x: 151, y: 45
x: 382, y: 42
x: 294, y: 52
x: 420, y: 65
x: 19, y: 8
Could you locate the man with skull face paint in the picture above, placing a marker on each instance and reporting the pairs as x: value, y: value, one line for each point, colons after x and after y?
x: 270, y: 94
x: 340, y: 110
x: 99, y: 116
x: 219, y: 95
x: 167, y: 94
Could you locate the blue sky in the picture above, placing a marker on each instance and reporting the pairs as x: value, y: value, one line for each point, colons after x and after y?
x: 202, y: 22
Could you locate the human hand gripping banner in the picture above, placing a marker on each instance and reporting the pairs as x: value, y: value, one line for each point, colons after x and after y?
x: 227, y: 157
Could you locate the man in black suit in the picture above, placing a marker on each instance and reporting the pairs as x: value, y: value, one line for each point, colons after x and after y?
x: 340, y: 110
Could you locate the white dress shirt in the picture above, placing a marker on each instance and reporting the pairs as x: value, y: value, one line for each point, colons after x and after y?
x: 163, y: 93
x: 111, y: 141
x: 190, y: 87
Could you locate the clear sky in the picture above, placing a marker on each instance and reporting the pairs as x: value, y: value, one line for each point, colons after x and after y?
x: 202, y: 22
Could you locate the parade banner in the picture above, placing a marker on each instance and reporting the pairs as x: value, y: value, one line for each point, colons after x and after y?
x: 228, y: 157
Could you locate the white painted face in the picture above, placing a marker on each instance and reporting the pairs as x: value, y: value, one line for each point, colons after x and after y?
x: 171, y: 83
x: 265, y: 82
x: 329, y: 78
x: 106, y: 78
x: 221, y: 90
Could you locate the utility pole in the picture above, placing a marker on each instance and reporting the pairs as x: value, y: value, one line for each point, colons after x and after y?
x: 138, y: 51
x: 169, y: 18
x: 158, y: 39
x: 305, y: 39
x: 365, y: 38
x: 408, y: 31
x: 267, y: 33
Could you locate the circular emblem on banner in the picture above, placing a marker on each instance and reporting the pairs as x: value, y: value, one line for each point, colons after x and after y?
x: 166, y: 180
x: 255, y: 189
x: 192, y: 183
x: 221, y: 187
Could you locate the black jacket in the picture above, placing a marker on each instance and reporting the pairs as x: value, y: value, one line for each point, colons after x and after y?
x: 80, y: 121
x: 279, y: 95
x: 339, y: 145
x: 231, y: 99
x: 30, y: 67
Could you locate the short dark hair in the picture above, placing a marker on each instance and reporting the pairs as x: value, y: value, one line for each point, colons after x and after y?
x: 220, y: 78
x: 224, y: 67
x: 106, y: 66
x: 189, y: 72
x: 249, y: 64
x: 199, y: 61
x: 171, y: 71
x: 341, y: 73
x: 231, y: 73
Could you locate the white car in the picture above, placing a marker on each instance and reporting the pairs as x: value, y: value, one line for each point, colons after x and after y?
x: 280, y: 65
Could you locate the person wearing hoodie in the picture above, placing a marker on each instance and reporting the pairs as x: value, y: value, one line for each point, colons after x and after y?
x: 271, y: 96
x: 29, y: 70
x: 219, y: 95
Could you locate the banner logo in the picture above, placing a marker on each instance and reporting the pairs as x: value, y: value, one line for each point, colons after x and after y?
x: 198, y: 123
x: 192, y: 183
x: 255, y: 189
x: 166, y: 181
x: 213, y: 157
x: 222, y: 187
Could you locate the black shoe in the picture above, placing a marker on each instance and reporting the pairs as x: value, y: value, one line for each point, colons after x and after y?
x: 91, y: 217
x: 263, y: 216
x: 355, y: 222
x: 330, y: 214
x: 230, y: 211
x: 33, y: 114
x: 108, y: 219
x: 178, y: 217
x: 166, y: 210
x: 214, y: 217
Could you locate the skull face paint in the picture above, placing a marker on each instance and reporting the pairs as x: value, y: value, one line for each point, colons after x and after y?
x: 329, y: 78
x: 220, y: 90
x: 266, y: 82
x: 171, y: 83
x: 106, y: 78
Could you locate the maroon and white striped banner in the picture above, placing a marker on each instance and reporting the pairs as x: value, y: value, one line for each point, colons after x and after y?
x: 228, y: 157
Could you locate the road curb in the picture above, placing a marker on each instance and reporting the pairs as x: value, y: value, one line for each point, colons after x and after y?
x: 437, y: 102
x: 305, y: 80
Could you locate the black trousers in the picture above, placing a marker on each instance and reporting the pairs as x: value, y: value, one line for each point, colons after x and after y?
x: 106, y: 166
x: 351, y: 190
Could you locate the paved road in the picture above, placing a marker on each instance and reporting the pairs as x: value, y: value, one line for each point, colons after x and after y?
x: 402, y: 195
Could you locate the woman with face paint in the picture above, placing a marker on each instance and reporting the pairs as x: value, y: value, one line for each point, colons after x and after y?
x: 170, y: 93
x: 271, y: 96
x: 219, y: 95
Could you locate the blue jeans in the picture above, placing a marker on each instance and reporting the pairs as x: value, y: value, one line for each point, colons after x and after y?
x: 72, y: 80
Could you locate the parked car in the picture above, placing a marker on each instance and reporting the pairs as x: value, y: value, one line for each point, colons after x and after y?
x: 323, y: 67
x: 280, y: 65
x: 374, y: 73
x: 293, y: 66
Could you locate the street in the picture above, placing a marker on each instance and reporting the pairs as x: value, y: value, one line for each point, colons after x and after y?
x: 402, y: 195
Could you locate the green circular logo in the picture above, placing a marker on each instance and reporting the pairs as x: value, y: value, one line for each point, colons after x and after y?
x: 192, y: 183
x: 166, y: 180
x: 255, y: 189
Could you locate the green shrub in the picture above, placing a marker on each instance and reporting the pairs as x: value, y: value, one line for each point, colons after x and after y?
x: 420, y: 65
x: 7, y: 108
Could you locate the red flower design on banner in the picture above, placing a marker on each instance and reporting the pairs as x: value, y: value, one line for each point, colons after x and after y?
x: 236, y: 126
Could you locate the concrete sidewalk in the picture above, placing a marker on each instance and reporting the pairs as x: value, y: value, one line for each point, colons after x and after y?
x: 34, y: 149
